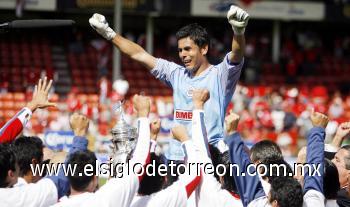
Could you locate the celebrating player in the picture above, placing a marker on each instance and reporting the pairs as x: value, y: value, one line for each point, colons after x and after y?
x: 210, y: 192
x: 40, y: 100
x: 197, y: 72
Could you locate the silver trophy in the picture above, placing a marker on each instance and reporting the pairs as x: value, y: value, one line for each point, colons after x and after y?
x: 124, y: 137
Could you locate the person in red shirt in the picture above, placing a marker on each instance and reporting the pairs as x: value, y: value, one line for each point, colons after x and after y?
x: 39, y: 101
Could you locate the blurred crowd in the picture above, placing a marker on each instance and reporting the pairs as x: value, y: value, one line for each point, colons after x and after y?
x: 278, y: 114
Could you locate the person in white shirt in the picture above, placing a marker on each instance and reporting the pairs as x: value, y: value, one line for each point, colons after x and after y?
x: 47, y: 190
x: 120, y: 190
x: 211, y: 192
x: 29, y: 152
x: 178, y: 193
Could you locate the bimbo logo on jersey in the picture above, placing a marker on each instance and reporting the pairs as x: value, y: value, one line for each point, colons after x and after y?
x: 183, y: 115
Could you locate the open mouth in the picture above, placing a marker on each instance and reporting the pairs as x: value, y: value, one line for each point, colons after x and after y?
x: 187, y: 62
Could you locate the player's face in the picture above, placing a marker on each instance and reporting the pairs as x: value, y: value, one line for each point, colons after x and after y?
x: 190, y: 54
x: 339, y: 162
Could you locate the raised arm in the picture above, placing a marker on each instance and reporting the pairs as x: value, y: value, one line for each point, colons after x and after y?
x: 79, y: 124
x: 249, y: 186
x: 120, y: 190
x: 177, y: 194
x: 238, y: 18
x: 315, y: 154
x: 155, y: 128
x: 14, y: 127
x: 141, y: 152
x: 199, y: 132
x: 342, y: 132
x: 129, y: 48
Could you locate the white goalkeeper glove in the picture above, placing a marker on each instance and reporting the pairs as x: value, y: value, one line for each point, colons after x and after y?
x: 99, y: 23
x: 238, y: 18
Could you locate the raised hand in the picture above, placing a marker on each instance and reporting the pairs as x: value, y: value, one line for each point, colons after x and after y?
x: 318, y: 119
x: 342, y: 131
x: 199, y: 97
x: 238, y: 18
x: 99, y: 23
x: 40, y: 95
x: 79, y: 124
x: 142, y: 105
x: 155, y: 127
x: 180, y: 133
x: 231, y: 122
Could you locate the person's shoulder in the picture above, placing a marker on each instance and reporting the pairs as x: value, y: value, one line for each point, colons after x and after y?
x: 169, y: 65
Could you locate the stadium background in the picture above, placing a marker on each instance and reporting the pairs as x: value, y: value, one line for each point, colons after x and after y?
x: 297, y: 57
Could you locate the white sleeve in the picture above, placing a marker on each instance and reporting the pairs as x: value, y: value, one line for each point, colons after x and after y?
x: 25, y: 116
x: 116, y: 192
x: 330, y: 148
x: 313, y: 198
x: 164, y: 71
x: 141, y: 153
x: 40, y: 194
x: 153, y: 146
x: 199, y: 135
x: 260, y: 202
x: 178, y: 193
x: 173, y: 196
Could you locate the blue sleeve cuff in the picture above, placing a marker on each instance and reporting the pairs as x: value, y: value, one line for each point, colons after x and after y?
x: 315, y: 130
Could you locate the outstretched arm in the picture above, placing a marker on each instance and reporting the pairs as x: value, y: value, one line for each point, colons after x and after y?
x: 141, y: 152
x: 79, y: 124
x: 249, y: 186
x: 134, y: 51
x: 129, y: 48
x: 14, y: 127
x: 238, y: 18
x: 315, y: 153
x: 342, y: 132
x: 199, y: 132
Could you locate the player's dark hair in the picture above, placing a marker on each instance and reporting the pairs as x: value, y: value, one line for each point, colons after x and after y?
x: 80, y: 159
x: 286, y: 191
x: 7, y: 162
x: 265, y: 150
x: 27, y: 149
x: 197, y: 33
x: 276, y: 168
x: 217, y: 157
x: 172, y: 173
x: 152, y: 184
x: 330, y: 180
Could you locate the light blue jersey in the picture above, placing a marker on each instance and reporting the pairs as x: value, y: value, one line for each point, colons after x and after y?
x: 220, y: 80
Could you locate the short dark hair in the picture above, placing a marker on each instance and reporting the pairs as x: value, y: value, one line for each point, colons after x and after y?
x: 152, y: 184
x: 80, y: 159
x: 224, y: 159
x: 26, y: 149
x: 7, y: 162
x: 287, y: 192
x: 265, y: 150
x: 195, y: 32
x: 273, y: 171
x: 330, y: 180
